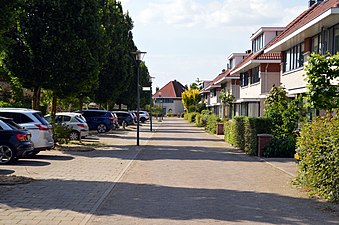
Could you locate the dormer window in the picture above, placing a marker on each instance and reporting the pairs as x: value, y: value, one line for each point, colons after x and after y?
x: 258, y: 43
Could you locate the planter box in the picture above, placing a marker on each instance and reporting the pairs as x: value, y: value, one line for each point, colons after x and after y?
x: 263, y: 141
x: 220, y: 128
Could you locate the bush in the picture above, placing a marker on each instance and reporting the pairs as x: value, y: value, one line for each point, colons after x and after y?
x: 182, y: 115
x: 169, y: 114
x: 242, y: 132
x: 211, y: 123
x: 252, y: 127
x: 281, y: 147
x: 191, y: 117
x: 198, y: 120
x: 319, y: 157
x: 61, y: 134
x: 186, y: 116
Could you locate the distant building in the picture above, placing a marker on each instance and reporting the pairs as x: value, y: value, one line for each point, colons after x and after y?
x: 169, y: 97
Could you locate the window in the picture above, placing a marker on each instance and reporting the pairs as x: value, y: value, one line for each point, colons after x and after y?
x: 258, y: 43
x: 244, y: 79
x: 336, y: 40
x: 255, y: 75
x: 294, y: 57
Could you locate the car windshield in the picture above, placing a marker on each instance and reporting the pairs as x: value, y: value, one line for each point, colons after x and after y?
x: 79, y: 119
x: 13, y: 125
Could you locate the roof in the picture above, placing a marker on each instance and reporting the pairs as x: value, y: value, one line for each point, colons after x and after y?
x: 259, y: 57
x: 172, y: 89
x: 306, y: 17
x: 218, y: 79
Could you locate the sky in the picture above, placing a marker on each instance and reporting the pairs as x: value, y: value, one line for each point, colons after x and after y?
x: 190, y: 39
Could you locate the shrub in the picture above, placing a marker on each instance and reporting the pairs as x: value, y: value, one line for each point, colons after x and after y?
x: 169, y: 114
x: 281, y: 147
x: 182, y: 115
x: 61, y: 134
x: 252, y: 127
x: 198, y: 120
x: 191, y: 117
x: 234, y: 132
x: 319, y: 157
x: 186, y: 116
x: 211, y: 123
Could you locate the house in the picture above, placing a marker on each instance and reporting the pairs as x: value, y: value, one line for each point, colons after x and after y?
x: 315, y: 30
x: 169, y: 98
x: 258, y: 72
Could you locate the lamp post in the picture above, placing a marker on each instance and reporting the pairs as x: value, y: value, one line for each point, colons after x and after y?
x: 139, y: 55
x: 160, y: 118
x: 150, y: 103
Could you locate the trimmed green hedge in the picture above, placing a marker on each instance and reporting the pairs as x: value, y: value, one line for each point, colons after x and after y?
x: 186, y: 116
x: 191, y: 117
x: 242, y: 132
x: 211, y: 123
x: 319, y: 157
x: 198, y: 120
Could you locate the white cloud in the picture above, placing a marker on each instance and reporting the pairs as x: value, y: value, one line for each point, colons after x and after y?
x: 190, y: 13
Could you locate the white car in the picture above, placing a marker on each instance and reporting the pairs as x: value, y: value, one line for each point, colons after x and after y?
x: 32, y: 121
x: 75, y: 121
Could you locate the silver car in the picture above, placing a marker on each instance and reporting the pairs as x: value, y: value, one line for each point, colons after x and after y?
x: 75, y: 121
x: 32, y: 121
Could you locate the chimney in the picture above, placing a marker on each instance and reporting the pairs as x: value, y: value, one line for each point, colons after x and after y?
x: 248, y: 51
x: 311, y: 2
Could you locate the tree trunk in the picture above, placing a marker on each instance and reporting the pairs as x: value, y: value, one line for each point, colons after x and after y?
x: 36, y: 98
x: 54, y: 107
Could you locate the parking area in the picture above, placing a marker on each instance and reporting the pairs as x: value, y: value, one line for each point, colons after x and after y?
x: 67, y: 184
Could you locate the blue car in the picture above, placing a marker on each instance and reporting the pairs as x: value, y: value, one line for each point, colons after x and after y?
x: 14, y: 141
x: 100, y: 120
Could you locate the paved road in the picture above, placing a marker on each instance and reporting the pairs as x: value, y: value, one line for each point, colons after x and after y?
x: 180, y: 175
x: 184, y: 176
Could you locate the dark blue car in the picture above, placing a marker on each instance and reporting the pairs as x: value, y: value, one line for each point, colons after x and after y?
x: 14, y: 142
x: 100, y: 120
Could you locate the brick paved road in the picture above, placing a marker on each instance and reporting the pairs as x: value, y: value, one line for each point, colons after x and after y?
x: 182, y: 176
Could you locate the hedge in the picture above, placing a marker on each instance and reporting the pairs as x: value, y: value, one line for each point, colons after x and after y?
x: 319, y: 157
x: 211, y: 123
x: 242, y: 132
x: 198, y: 120
x: 191, y: 117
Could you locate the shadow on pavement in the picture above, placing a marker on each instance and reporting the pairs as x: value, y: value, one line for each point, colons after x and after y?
x: 6, y: 172
x: 164, y: 202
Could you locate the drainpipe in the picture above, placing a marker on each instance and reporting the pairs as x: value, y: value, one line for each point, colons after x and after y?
x: 266, y: 77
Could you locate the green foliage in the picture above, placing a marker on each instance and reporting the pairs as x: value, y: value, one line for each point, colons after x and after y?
x: 182, y: 115
x: 242, y: 132
x: 190, y: 100
x: 226, y: 97
x: 211, y: 123
x: 320, y: 71
x: 186, y: 116
x: 319, y: 157
x: 169, y: 114
x: 191, y: 117
x: 281, y: 147
x: 61, y: 134
x: 198, y: 120
x: 252, y: 127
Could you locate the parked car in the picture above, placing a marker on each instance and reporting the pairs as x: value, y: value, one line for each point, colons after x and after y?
x: 115, y: 121
x: 34, y: 122
x: 143, y: 116
x: 14, y: 141
x: 124, y: 118
x: 74, y: 121
x: 100, y: 120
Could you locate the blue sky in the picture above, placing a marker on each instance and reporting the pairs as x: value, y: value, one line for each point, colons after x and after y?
x: 190, y: 39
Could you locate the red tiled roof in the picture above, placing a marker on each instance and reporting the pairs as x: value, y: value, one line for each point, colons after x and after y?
x: 172, y: 89
x: 217, y: 78
x: 307, y: 16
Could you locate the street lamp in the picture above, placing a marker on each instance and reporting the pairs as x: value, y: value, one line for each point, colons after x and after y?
x: 162, y: 108
x: 139, y: 55
x: 150, y: 101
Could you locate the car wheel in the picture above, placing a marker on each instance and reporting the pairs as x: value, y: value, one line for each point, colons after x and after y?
x: 143, y: 119
x: 7, y: 154
x: 101, y: 128
x: 35, y: 152
x: 74, y: 135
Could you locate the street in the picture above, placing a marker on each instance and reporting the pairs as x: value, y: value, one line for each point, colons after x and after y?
x: 179, y: 175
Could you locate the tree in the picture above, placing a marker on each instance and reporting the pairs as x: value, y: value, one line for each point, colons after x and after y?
x: 226, y: 98
x: 191, y: 99
x: 322, y: 74
x: 117, y: 72
x: 57, y: 45
x: 282, y: 111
